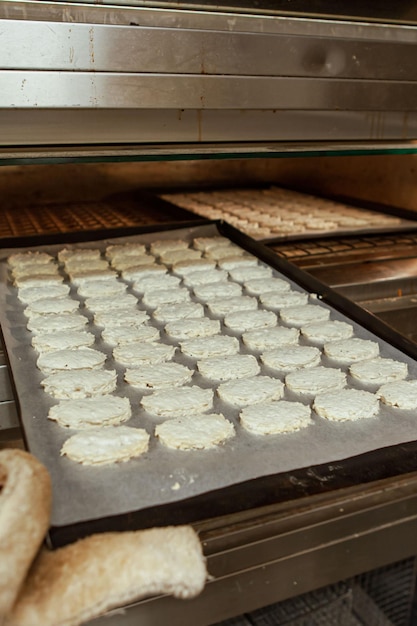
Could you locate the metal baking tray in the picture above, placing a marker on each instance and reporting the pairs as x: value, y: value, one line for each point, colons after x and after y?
x: 246, y: 208
x: 165, y: 486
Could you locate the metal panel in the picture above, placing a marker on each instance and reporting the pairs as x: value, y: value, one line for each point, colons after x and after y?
x: 89, y: 47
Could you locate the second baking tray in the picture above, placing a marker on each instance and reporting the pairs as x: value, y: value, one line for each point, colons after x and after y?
x: 165, y: 486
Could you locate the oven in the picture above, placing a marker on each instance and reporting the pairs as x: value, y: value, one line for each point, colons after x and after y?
x: 134, y: 118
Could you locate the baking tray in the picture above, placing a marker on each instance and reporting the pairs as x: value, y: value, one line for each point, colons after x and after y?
x: 251, y: 207
x: 165, y: 487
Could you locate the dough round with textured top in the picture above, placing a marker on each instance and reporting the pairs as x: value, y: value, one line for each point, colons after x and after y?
x: 185, y: 267
x: 304, y: 314
x: 183, y: 310
x: 156, y: 281
x: 322, y: 332
x: 277, y: 301
x: 38, y: 280
x: 236, y: 260
x: 105, y: 410
x: 221, y: 252
x: 26, y: 271
x: 76, y: 268
x: 56, y: 323
x: 121, y: 262
x: 171, y: 257
x: 52, y: 306
x: 222, y: 307
x: 101, y: 446
x: 241, y: 321
x: 92, y: 275
x: 401, y: 394
x: 192, y: 328
x: 378, y: 371
x: 101, y: 288
x: 204, y: 277
x: 63, y: 340
x: 195, y: 432
x: 40, y: 292
x: 178, y: 402
x: 269, y: 338
x: 214, y: 291
x: 122, y: 335
x: 315, y: 380
x: 29, y: 257
x: 78, y: 254
x: 75, y: 359
x: 246, y: 391
x: 137, y: 354
x: 346, y: 405
x: 290, y: 358
x: 258, y: 286
x: 205, y: 347
x: 242, y: 274
x: 351, y: 350
x: 207, y: 243
x: 125, y: 249
x: 161, y: 246
x: 158, y: 297
x: 161, y: 376
x: 121, y: 317
x: 79, y: 383
x: 101, y: 304
x: 272, y: 418
x: 138, y: 272
x: 229, y: 367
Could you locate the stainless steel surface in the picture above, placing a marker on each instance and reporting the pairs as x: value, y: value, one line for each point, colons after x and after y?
x: 283, y: 551
x: 217, y: 76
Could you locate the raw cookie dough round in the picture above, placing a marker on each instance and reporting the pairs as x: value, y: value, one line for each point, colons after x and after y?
x: 63, y: 340
x: 178, y: 402
x: 315, y: 380
x: 258, y: 286
x: 80, y: 383
x: 125, y: 249
x: 161, y: 376
x: 214, y: 291
x: 101, y: 446
x: 195, y: 432
x: 157, y: 297
x: 204, y: 277
x: 105, y: 410
x: 138, y: 272
x: 76, y: 359
x: 183, y: 310
x: 303, y: 314
x: 247, y: 391
x: 242, y: 321
x: 276, y: 300
x: 206, y: 347
x: 39, y: 292
x: 351, y: 350
x: 78, y: 254
x: 30, y: 257
x: 378, y: 371
x: 122, y: 335
x: 233, y: 262
x: 290, y: 358
x: 96, y: 288
x: 52, y: 306
x: 228, y: 367
x: 269, y: 338
x: 123, y: 317
x: 241, y: 274
x: 322, y: 332
x: 101, y: 304
x: 56, y: 323
x: 138, y: 354
x: 346, y: 405
x: 156, y: 281
x: 279, y: 416
x: 221, y: 307
x: 192, y: 328
x: 401, y: 394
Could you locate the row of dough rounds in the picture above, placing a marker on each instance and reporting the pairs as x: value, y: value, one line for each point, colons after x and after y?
x: 231, y: 287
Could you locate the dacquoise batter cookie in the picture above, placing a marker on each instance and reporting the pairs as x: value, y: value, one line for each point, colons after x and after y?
x: 122, y: 335
x: 138, y: 354
x: 304, y: 314
x: 351, y: 350
x: 178, y: 402
x: 39, y: 292
x: 246, y: 391
x: 105, y: 410
x: 241, y: 321
x: 401, y: 394
x: 290, y: 358
x: 195, y: 432
x: 272, y: 418
x: 346, y: 405
x: 161, y: 376
x: 269, y: 338
x: 322, y: 332
x: 205, y: 347
x: 192, y: 328
x: 63, y: 340
x: 79, y: 383
x: 315, y: 380
x: 228, y: 367
x: 101, y: 446
x: 77, y: 359
x: 379, y: 371
x: 55, y: 323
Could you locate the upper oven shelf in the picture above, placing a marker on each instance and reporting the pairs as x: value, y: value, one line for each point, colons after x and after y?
x: 131, y: 74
